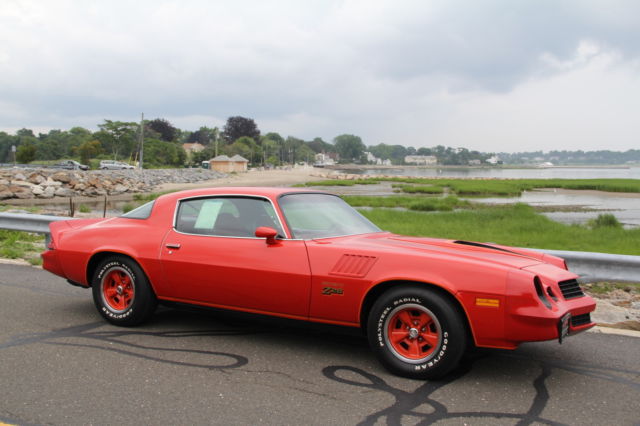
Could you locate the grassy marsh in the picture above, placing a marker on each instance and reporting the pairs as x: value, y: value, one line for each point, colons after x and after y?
x: 514, y: 225
x: 494, y: 187
x: 408, y: 202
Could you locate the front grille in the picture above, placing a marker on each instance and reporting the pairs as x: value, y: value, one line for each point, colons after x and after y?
x: 570, y: 289
x: 579, y: 320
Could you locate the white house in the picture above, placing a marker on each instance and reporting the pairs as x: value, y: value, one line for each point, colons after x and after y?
x: 425, y: 160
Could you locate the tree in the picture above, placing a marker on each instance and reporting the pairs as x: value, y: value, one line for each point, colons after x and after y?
x: 204, y: 135
x: 275, y: 148
x: 206, y: 154
x: 291, y: 146
x: 306, y: 154
x: 118, y: 137
x: 88, y: 150
x: 237, y: 127
x: 349, y: 147
x: 25, y: 133
x: 163, y: 153
x: 246, y: 147
x: 6, y: 141
x: 52, y: 145
x: 320, y: 146
x: 26, y: 152
x: 239, y: 148
x: 166, y: 131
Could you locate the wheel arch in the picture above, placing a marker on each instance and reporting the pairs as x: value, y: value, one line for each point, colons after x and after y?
x: 375, y: 292
x: 98, y: 257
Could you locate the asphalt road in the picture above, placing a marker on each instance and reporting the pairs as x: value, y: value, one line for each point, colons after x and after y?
x: 61, y: 364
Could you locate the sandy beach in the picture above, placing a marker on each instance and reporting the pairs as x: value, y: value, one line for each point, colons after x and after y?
x: 252, y: 178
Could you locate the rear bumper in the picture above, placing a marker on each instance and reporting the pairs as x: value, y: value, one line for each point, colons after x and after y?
x: 51, y: 263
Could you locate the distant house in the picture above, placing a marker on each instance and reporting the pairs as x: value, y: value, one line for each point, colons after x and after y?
x: 224, y: 164
x: 323, y: 159
x: 425, y: 160
x: 494, y: 160
x: 371, y: 158
x: 192, y: 147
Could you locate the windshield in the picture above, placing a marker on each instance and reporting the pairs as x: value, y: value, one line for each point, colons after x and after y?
x: 322, y: 215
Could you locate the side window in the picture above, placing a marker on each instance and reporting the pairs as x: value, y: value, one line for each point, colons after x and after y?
x: 226, y: 216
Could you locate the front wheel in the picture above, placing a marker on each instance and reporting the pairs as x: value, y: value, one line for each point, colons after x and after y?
x: 416, y: 332
x: 121, y: 292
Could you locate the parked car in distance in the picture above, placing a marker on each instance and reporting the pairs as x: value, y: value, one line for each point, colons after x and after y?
x: 307, y: 255
x: 70, y: 165
x: 114, y: 165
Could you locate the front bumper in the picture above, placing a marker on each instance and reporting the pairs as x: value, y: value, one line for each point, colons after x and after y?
x: 536, y: 323
x: 552, y: 307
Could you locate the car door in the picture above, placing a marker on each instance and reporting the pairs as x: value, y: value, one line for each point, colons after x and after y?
x: 212, y: 256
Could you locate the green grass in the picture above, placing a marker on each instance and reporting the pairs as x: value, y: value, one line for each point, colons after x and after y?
x: 83, y: 208
x: 408, y: 202
x: 419, y: 189
x: 150, y: 196
x: 28, y: 209
x: 605, y: 221
x: 340, y: 182
x: 606, y: 287
x: 20, y: 245
x: 518, y: 225
x: 495, y: 187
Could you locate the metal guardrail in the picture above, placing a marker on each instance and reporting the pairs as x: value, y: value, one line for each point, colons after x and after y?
x: 593, y: 267
x: 590, y: 266
x: 36, y: 223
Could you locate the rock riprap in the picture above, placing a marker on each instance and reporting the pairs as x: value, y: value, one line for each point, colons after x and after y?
x: 44, y: 183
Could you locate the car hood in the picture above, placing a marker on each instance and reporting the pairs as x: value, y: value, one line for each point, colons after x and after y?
x: 485, y: 252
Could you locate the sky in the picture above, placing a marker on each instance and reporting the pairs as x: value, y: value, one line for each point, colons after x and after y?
x: 493, y: 76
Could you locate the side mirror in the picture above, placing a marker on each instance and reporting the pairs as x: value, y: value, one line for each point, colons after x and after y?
x: 268, y: 233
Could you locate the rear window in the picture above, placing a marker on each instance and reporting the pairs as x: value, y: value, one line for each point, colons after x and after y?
x: 142, y: 212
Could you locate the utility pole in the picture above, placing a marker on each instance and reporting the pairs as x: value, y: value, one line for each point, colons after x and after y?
x: 141, y: 139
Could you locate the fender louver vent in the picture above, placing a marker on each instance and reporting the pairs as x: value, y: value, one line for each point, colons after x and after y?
x: 353, y: 265
x: 570, y: 289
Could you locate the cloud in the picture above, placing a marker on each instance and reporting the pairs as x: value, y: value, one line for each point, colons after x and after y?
x: 415, y: 72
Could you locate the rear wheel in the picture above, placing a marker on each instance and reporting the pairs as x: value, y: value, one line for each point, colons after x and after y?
x: 416, y: 332
x: 121, y: 292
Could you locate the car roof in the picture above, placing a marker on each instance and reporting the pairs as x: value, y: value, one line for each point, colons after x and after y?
x: 269, y: 192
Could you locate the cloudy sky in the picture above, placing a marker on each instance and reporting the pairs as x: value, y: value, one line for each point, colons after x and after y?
x: 487, y: 75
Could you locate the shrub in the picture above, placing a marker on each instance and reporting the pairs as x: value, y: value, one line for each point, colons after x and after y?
x: 605, y: 221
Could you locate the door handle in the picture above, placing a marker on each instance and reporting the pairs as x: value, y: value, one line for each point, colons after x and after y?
x: 172, y: 246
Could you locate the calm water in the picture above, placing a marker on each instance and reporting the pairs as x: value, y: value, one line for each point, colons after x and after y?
x: 625, y: 207
x: 551, y: 173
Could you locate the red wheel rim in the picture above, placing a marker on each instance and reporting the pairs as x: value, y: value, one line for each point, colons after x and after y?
x: 413, y: 333
x: 118, y: 289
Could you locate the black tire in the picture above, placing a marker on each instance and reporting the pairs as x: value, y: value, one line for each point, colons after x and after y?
x: 433, y: 342
x: 122, y: 293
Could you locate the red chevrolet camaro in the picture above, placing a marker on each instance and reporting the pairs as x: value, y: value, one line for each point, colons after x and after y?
x: 307, y: 255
